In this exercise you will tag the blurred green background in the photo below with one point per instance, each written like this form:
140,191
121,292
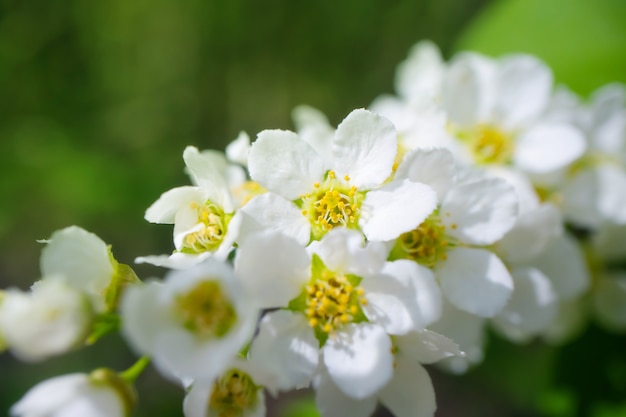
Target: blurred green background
99,99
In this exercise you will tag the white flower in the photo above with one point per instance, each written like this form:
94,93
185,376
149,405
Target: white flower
204,217
497,108
347,301
238,391
192,323
85,262
50,320
594,190
409,393
96,395
313,190
471,214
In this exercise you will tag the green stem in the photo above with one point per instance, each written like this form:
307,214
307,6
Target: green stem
131,374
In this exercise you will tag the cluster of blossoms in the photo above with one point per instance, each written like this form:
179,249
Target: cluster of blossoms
344,259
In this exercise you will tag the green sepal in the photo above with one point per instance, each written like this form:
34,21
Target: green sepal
103,324
123,275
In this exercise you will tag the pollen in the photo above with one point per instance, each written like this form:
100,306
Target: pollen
332,301
233,395
489,145
209,231
205,310
427,244
332,203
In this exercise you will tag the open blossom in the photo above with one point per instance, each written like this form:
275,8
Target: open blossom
204,215
344,301
99,394
238,391
341,183
192,323
409,393
51,319
473,212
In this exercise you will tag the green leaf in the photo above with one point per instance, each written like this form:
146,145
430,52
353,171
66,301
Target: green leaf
583,41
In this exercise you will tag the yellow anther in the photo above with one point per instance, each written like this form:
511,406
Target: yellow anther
331,174
354,309
363,301
453,225
304,212
316,185
360,291
327,327
346,177
313,322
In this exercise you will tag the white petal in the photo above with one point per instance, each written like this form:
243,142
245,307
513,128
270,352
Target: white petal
563,262
548,147
345,250
50,395
465,329
410,393
524,87
479,212
313,128
532,232
285,348
532,307
83,260
364,148
612,193
359,359
164,209
237,150
475,280
421,293
421,73
196,402
332,402
609,301
433,167
427,346
274,267
468,89
281,162
178,260
141,313
273,212
396,208
571,319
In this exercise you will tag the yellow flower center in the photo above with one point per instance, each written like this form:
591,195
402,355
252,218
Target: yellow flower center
206,310
214,226
233,394
244,192
426,245
489,145
332,203
333,301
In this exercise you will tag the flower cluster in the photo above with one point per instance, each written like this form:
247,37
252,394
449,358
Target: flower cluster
344,259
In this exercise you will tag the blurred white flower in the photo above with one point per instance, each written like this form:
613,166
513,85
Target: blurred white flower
51,319
191,324
99,394
238,391
84,261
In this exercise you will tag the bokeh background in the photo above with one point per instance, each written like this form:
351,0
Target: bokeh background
98,99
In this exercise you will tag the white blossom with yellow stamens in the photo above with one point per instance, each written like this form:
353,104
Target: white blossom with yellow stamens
192,323
343,303
312,192
474,212
204,215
